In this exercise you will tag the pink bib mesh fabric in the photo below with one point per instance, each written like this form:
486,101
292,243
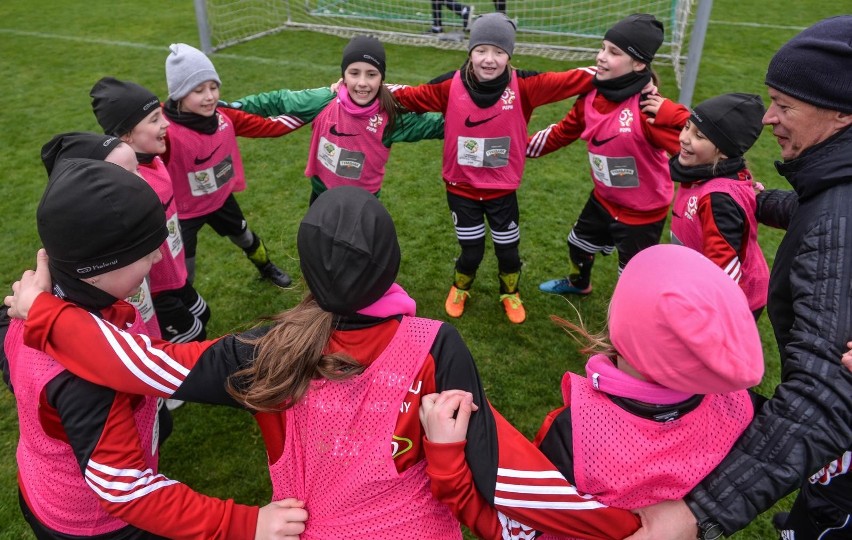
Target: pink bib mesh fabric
485,148
49,472
627,170
338,452
205,169
169,273
346,150
687,229
630,462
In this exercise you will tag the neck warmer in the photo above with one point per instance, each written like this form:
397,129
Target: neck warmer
726,168
196,122
394,302
485,94
145,159
358,111
607,378
79,292
621,88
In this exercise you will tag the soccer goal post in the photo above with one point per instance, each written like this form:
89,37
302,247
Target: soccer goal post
559,29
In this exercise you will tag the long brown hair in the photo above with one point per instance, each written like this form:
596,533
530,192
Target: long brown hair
288,357
391,106
590,343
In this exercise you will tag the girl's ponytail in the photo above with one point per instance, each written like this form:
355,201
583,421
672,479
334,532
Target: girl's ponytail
288,358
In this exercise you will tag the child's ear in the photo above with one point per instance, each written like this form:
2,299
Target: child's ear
639,66
126,138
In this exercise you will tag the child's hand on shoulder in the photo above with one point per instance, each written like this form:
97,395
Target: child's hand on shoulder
445,416
31,284
335,86
651,105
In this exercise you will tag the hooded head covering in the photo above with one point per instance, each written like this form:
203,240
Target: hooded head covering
364,49
120,105
493,29
732,122
639,35
77,145
683,323
348,250
95,217
814,66
186,68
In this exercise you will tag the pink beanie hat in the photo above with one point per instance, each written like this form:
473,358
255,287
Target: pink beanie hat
681,322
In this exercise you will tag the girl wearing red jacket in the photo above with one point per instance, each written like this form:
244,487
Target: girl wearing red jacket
487,105
714,208
204,161
632,190
87,455
335,385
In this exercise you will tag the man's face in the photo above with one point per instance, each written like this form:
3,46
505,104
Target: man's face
797,125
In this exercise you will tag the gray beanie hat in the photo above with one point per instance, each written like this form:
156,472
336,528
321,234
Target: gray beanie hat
186,68
814,66
493,29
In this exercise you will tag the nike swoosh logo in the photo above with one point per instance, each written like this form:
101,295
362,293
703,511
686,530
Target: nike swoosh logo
470,123
199,161
601,143
333,131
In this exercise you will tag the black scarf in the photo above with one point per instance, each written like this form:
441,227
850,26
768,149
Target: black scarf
79,292
485,94
196,122
621,88
726,168
145,159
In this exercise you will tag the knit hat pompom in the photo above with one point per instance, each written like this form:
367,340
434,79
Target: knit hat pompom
816,65
639,35
348,249
120,105
493,29
732,122
95,217
77,144
364,49
683,323
186,68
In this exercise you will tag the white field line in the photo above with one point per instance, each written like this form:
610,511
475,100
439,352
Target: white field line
272,61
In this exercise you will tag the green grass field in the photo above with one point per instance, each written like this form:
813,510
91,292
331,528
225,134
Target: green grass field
52,52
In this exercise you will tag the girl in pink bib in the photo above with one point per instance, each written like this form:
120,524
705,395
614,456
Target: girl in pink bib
487,105
714,208
664,396
631,193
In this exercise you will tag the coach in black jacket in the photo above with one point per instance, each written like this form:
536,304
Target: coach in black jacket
801,437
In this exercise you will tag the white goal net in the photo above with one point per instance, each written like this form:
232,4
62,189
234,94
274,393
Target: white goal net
560,29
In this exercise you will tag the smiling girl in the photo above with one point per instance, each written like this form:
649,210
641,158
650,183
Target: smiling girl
88,455
204,161
632,191
714,209
353,134
487,105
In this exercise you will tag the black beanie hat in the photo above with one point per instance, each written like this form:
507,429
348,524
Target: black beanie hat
120,105
816,65
95,217
732,122
639,35
364,49
77,144
348,249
